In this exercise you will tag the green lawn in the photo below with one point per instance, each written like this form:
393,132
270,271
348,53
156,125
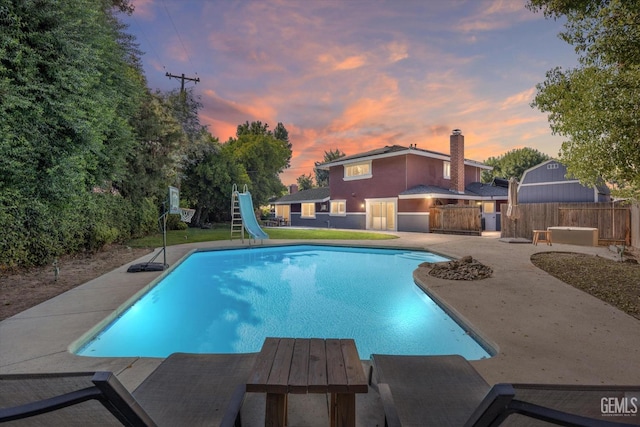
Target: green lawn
223,232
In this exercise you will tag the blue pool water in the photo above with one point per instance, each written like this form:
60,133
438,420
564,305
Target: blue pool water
229,301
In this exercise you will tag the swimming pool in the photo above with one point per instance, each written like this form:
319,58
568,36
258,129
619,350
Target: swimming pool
229,301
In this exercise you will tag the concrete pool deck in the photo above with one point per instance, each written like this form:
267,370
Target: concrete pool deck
543,330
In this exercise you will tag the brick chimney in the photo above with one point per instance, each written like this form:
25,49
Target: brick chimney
456,143
293,188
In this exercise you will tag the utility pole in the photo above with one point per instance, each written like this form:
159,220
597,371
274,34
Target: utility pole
182,79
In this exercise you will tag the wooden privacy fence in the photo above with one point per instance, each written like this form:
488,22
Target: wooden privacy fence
612,220
635,225
455,219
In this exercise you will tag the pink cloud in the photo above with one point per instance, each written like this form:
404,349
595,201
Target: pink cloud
521,98
496,14
144,9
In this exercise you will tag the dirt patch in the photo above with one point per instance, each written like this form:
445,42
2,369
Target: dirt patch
615,282
23,289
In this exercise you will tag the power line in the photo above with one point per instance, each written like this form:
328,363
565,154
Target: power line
144,35
178,34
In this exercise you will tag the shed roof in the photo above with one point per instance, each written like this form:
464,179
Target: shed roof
600,188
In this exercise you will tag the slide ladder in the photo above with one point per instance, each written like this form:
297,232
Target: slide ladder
247,218
237,227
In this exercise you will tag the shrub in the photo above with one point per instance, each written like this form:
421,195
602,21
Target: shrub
175,223
101,235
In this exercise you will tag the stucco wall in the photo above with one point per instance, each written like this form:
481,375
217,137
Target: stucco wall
413,222
324,220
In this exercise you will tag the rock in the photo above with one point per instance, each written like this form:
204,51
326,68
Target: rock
466,268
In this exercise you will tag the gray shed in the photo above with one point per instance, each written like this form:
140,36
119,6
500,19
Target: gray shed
548,183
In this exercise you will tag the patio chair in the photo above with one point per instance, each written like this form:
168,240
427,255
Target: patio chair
185,389
448,391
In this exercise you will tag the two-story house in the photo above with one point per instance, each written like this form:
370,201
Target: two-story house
393,188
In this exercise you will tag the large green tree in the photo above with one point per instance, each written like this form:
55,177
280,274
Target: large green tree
209,172
263,157
67,92
153,163
305,182
513,163
258,128
70,82
322,176
596,105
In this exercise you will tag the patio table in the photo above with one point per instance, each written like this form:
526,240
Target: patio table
309,365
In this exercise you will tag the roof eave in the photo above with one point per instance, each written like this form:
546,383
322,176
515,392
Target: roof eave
419,152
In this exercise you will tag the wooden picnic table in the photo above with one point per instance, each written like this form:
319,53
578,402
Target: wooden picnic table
277,221
309,365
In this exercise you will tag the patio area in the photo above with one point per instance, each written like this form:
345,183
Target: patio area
543,330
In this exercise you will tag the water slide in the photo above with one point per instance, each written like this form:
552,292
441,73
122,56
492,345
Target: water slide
249,217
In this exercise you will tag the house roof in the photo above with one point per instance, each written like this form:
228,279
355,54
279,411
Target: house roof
487,190
396,150
320,194
473,191
500,182
423,190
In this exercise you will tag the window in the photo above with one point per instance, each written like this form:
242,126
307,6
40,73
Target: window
552,166
489,207
338,208
357,171
446,170
308,210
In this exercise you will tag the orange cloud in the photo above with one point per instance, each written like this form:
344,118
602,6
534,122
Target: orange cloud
351,63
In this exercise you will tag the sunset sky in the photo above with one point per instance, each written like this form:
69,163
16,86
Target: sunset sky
356,75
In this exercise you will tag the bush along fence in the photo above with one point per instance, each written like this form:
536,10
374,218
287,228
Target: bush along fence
613,220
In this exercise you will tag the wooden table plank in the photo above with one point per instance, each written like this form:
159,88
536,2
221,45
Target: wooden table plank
298,374
317,378
259,375
278,381
336,374
356,377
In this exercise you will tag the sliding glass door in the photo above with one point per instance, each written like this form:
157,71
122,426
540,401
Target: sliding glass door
381,214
